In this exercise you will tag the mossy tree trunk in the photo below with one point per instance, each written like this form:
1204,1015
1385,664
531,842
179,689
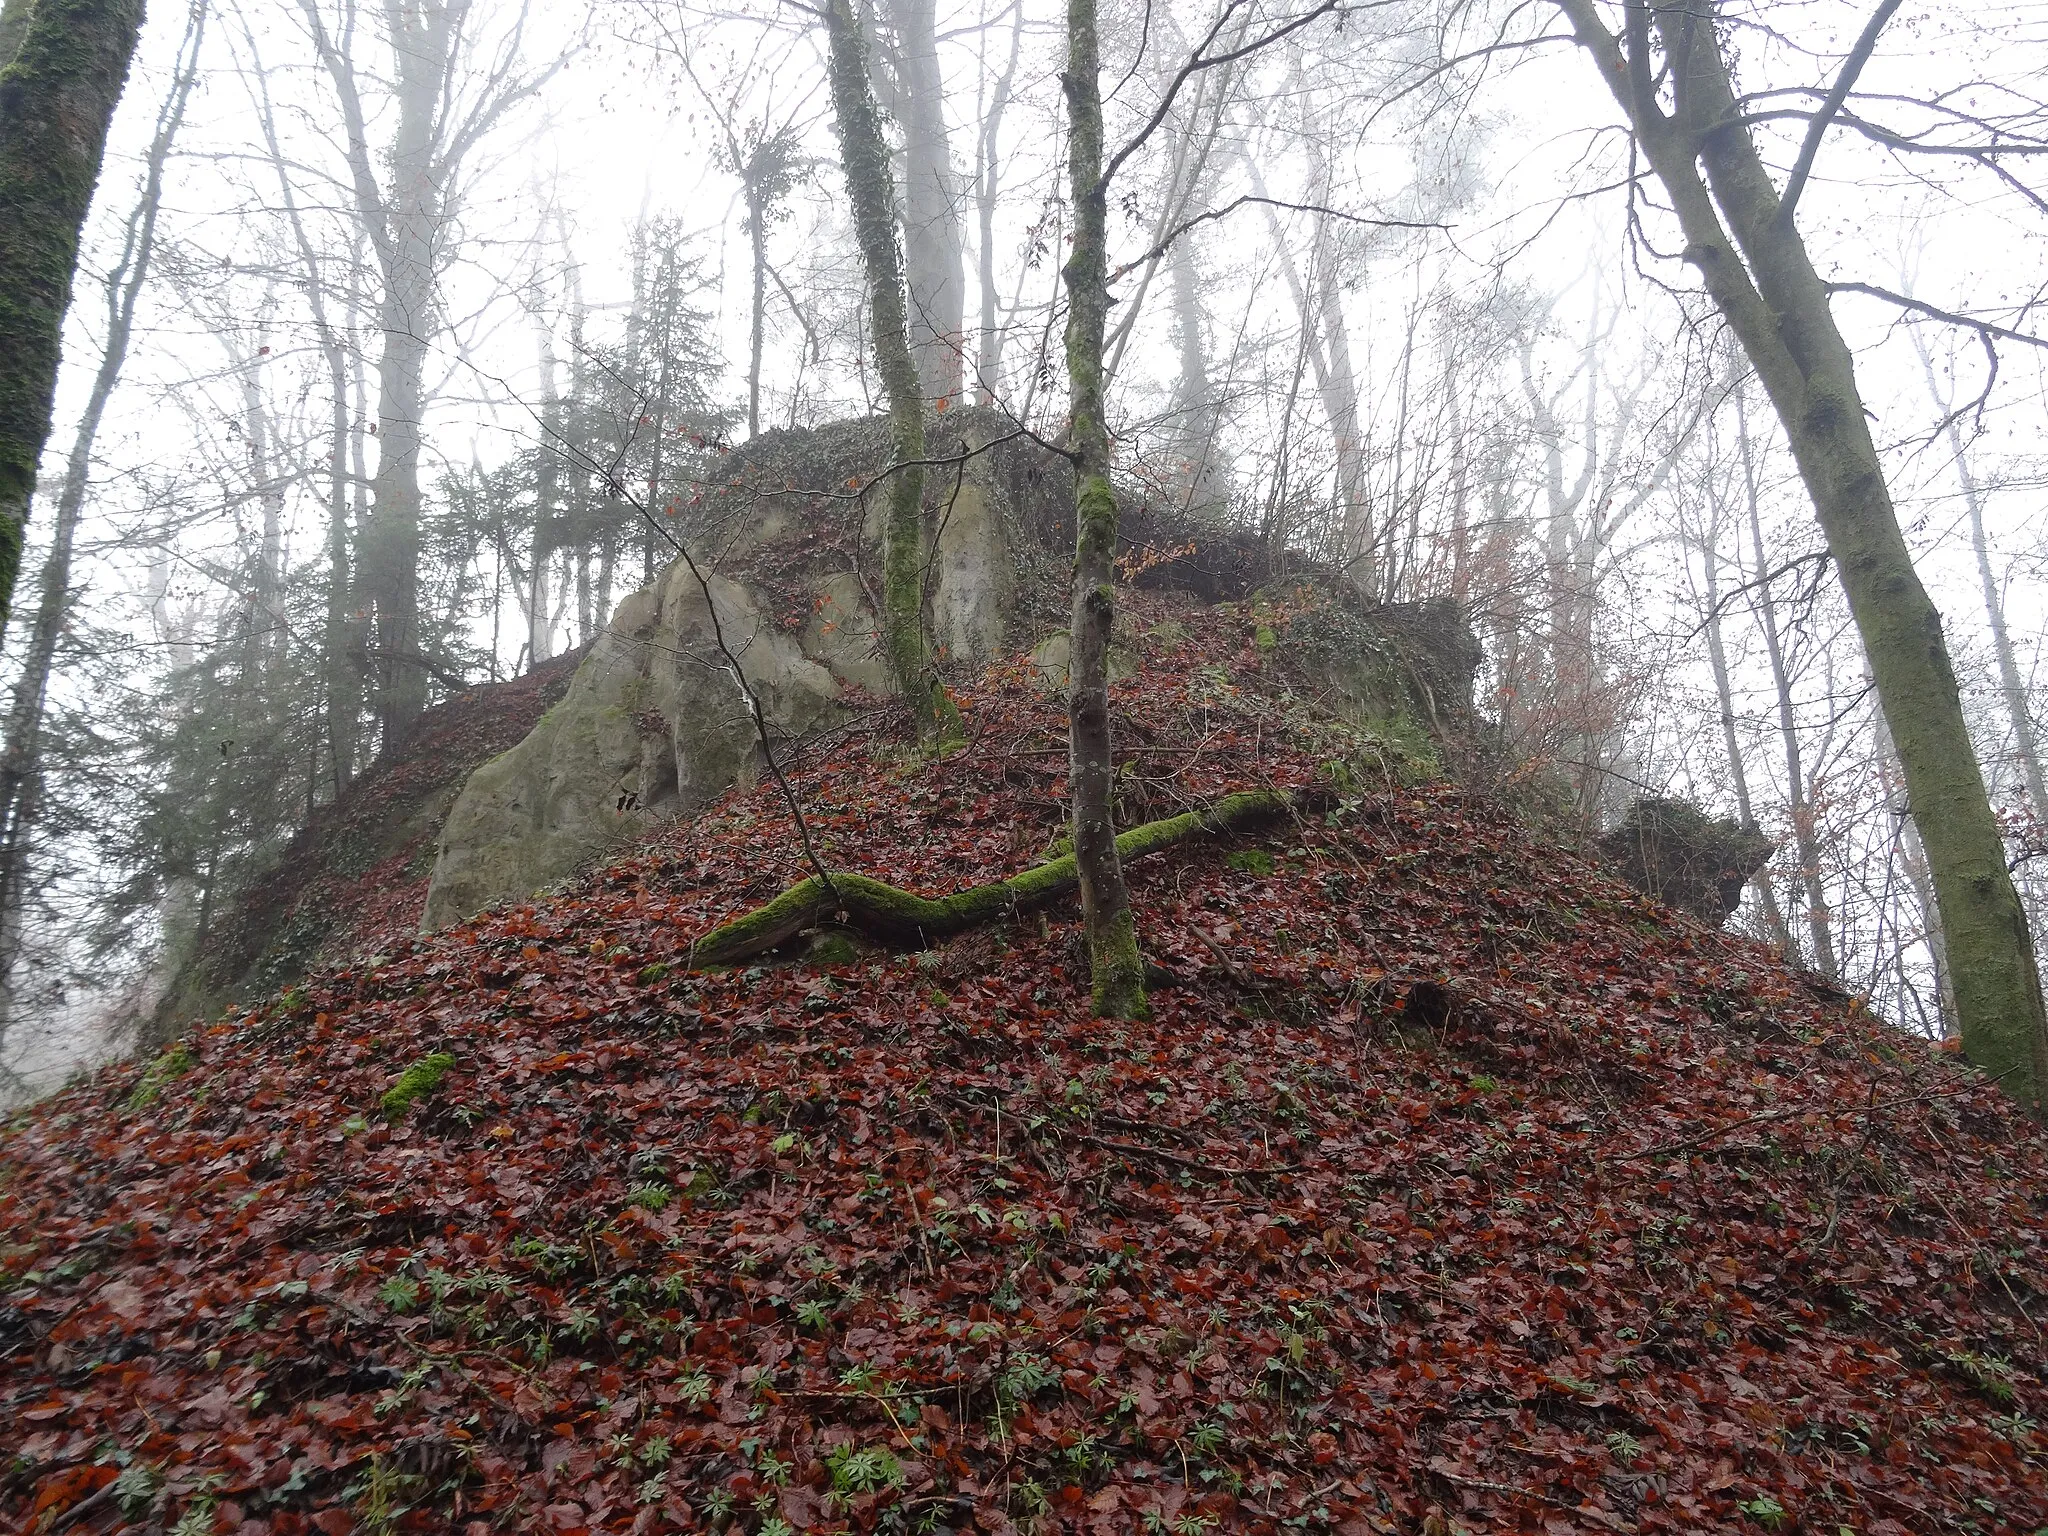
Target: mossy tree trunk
57,96
13,27
21,763
1740,233
1118,971
871,189
892,915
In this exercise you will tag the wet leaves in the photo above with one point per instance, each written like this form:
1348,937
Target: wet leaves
1452,1187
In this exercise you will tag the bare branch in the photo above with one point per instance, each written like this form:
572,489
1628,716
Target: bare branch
1816,130
1198,61
1921,307
1271,202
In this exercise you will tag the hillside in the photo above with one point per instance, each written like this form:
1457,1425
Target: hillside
1452,1186
358,868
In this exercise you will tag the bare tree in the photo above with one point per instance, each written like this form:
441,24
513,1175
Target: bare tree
988,164
448,98
341,639
2011,686
1669,71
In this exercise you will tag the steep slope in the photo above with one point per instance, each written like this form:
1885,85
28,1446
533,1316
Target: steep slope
358,869
1452,1186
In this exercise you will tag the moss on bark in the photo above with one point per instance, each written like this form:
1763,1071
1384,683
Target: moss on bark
1118,969
57,96
902,919
871,191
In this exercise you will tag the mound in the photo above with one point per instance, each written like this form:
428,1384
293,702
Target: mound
1451,1186
357,871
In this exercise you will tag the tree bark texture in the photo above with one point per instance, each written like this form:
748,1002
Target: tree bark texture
57,97
1757,269
21,762
870,187
1115,965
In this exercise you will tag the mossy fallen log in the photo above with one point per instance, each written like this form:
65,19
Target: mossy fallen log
902,919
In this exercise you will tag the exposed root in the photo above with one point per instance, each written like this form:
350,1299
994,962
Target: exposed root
902,919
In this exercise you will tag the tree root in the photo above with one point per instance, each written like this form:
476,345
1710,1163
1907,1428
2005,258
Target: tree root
904,920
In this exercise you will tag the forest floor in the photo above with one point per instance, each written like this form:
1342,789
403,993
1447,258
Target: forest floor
1452,1186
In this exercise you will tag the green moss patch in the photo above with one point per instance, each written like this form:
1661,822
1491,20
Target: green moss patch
173,1064
414,1084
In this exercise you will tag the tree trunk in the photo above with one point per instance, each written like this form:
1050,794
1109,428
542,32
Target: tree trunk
1724,693
1799,800
892,915
933,241
343,682
1914,857
864,153
21,762
988,362
268,621
1114,963
421,43
757,240
1203,483
1321,309
57,97
547,476
1763,281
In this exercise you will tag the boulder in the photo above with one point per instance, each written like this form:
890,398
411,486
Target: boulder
1674,851
654,723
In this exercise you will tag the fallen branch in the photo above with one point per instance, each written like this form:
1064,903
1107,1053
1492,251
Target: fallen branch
903,919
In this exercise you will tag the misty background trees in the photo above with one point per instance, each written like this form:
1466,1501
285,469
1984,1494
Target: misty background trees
394,323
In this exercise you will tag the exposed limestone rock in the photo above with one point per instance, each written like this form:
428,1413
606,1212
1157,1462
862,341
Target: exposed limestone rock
656,725
653,724
841,632
979,569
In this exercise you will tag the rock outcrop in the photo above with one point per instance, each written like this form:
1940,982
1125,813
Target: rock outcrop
1674,851
656,722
